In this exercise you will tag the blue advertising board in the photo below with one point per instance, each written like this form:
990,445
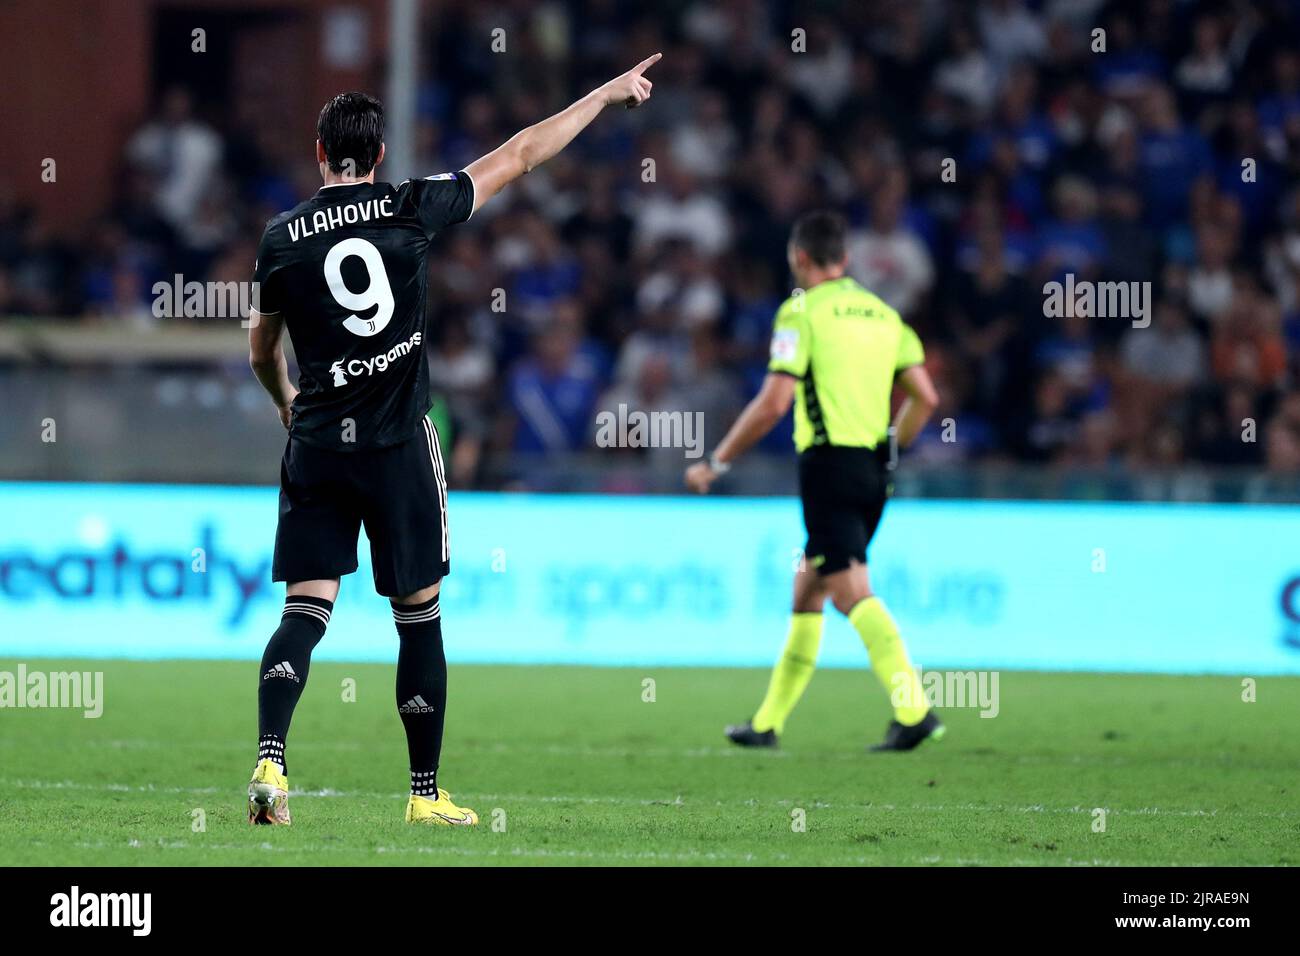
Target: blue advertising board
184,572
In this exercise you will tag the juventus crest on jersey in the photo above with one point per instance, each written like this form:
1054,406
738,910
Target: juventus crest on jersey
346,272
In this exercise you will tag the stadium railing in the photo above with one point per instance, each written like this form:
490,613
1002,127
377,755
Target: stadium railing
178,404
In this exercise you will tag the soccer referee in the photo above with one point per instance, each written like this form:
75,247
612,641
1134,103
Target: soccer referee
837,350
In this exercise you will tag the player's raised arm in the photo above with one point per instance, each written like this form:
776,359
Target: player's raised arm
533,146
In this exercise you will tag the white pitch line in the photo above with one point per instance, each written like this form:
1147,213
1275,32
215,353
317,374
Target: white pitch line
694,857
677,801
557,750
731,752
885,859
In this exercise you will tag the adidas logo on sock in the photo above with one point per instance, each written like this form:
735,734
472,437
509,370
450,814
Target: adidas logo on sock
282,669
415,705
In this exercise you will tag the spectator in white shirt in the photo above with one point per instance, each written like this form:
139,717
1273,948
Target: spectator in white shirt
889,258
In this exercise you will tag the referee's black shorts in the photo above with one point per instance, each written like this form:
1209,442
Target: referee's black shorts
399,493
843,491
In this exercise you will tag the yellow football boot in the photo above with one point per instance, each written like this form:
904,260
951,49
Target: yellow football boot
441,812
268,795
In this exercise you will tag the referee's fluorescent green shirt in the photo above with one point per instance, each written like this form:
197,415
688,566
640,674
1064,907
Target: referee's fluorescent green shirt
845,346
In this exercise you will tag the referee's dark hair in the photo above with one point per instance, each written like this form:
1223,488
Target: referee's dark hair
351,127
822,235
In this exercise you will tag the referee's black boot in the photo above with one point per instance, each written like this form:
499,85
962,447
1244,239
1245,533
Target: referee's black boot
746,736
901,737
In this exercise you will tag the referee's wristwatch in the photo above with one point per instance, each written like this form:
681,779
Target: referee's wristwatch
718,467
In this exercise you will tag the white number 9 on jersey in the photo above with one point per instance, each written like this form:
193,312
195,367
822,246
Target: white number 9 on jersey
377,295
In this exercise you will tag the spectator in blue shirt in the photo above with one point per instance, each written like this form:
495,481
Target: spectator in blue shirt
1171,156
1073,242
552,392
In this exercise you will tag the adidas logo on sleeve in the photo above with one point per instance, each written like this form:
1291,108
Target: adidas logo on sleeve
416,705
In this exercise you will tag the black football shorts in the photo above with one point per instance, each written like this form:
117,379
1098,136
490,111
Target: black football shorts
398,492
843,491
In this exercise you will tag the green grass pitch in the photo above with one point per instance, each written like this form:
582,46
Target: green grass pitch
574,767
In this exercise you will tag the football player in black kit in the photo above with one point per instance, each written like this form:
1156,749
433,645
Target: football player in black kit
344,272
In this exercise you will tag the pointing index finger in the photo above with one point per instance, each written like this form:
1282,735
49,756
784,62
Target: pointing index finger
647,63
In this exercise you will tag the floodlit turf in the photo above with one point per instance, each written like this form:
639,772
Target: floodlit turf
576,768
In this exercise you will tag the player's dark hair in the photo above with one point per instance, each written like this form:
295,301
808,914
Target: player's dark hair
822,235
351,127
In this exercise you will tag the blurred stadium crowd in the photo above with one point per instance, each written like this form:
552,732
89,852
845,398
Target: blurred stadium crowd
644,265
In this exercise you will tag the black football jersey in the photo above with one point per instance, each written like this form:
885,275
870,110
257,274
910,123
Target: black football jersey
346,272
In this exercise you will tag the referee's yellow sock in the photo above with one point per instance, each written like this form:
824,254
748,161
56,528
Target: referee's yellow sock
792,672
872,620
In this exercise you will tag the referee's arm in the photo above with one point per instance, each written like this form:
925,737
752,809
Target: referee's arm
921,401
759,417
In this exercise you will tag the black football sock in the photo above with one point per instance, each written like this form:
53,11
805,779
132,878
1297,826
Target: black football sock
284,671
421,689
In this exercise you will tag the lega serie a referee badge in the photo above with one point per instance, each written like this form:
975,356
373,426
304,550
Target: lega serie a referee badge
785,345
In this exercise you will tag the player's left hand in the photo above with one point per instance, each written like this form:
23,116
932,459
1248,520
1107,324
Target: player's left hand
699,477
